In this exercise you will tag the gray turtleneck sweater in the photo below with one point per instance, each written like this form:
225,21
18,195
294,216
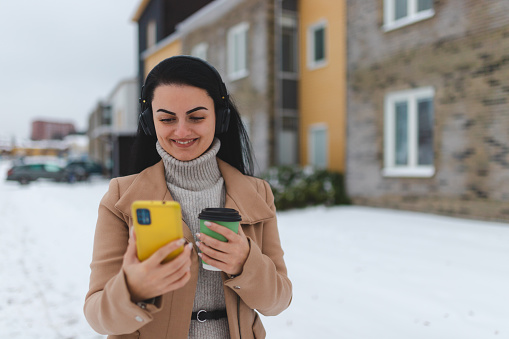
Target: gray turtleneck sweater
198,184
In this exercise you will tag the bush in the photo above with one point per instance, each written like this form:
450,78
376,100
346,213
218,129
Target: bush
296,187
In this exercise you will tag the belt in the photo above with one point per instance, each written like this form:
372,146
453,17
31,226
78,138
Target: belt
203,315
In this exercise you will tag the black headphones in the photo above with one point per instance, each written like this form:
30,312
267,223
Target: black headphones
146,120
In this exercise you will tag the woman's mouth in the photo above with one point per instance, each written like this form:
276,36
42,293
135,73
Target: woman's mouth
184,143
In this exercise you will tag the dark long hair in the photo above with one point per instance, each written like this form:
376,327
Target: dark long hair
235,145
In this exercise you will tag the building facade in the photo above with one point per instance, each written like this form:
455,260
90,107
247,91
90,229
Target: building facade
51,130
257,57
99,136
112,128
428,107
239,41
322,90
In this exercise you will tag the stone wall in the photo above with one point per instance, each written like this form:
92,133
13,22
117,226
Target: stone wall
463,52
254,93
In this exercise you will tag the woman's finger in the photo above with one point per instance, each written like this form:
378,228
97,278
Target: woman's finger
224,231
159,255
182,261
213,253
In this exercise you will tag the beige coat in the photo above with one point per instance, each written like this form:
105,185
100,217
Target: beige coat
263,285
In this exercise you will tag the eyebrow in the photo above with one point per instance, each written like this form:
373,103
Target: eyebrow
188,112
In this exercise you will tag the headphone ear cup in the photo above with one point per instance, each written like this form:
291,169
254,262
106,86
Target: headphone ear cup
146,122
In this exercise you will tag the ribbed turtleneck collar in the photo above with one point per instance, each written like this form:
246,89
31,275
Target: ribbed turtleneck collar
194,175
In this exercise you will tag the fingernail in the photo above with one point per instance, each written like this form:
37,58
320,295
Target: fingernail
181,242
198,244
199,254
207,223
190,245
198,235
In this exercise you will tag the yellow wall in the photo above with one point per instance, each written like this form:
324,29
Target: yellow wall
172,49
322,92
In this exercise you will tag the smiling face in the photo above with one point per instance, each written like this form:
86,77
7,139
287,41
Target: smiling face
185,120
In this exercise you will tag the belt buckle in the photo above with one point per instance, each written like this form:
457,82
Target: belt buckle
198,316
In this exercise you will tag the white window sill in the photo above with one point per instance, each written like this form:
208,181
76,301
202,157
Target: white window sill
409,172
317,65
238,75
408,20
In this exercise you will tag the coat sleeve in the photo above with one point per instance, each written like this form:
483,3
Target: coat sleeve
263,284
108,306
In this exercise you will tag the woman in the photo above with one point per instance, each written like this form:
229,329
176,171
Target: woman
191,147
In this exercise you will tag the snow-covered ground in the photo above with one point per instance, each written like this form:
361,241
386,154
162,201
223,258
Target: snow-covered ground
357,272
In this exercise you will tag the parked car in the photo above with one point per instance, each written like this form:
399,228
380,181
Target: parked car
24,174
84,169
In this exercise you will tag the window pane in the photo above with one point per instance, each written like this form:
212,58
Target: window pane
401,133
425,118
319,143
319,36
236,52
423,5
289,62
401,7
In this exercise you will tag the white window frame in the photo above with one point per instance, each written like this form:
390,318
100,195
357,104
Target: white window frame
412,169
200,50
311,62
390,23
238,54
311,145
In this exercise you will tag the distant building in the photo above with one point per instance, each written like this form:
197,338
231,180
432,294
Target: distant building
254,46
49,130
112,128
99,135
428,103
157,19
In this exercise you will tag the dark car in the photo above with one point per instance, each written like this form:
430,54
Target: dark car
24,174
83,169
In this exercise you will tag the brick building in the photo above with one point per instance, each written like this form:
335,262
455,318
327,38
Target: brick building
428,106
49,130
242,39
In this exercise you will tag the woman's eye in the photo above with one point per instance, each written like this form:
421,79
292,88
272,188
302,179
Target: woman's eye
197,118
167,120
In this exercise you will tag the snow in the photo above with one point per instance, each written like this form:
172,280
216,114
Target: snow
357,272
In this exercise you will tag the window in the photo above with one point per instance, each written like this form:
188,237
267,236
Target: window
408,148
200,50
399,13
151,33
237,51
316,46
318,149
289,60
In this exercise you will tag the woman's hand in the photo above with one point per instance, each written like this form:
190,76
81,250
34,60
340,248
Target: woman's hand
227,256
152,278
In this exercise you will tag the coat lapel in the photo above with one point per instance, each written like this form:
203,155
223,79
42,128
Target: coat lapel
242,193
150,184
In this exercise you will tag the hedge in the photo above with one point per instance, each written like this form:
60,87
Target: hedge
297,187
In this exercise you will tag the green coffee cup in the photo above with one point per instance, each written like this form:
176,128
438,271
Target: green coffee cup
226,217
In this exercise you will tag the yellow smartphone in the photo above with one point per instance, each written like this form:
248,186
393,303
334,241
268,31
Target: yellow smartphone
156,223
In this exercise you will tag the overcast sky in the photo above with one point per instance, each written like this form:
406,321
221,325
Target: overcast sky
59,57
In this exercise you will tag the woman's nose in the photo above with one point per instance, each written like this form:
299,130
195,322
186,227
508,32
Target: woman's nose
182,130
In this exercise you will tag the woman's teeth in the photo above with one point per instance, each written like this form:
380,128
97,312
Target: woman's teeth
183,142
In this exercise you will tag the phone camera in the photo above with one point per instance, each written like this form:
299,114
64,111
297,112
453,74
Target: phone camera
143,216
